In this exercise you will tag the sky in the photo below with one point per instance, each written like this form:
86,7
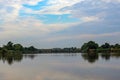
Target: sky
59,23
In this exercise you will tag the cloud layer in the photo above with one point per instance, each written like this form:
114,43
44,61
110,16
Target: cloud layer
26,21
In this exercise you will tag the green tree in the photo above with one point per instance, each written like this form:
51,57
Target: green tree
117,46
9,46
18,47
90,45
105,46
31,48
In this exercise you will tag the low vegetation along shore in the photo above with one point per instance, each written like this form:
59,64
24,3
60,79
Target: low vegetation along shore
89,47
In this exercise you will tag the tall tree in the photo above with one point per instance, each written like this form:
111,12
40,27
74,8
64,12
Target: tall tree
90,45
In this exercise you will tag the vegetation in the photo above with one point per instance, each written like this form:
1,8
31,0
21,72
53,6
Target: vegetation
60,50
13,52
91,47
16,48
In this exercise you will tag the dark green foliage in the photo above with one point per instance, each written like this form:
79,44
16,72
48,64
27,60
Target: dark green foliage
91,45
116,46
17,47
105,46
9,45
31,48
60,50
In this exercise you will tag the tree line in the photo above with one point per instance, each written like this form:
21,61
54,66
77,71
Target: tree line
90,46
16,48
10,47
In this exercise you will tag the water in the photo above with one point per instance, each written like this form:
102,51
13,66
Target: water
61,67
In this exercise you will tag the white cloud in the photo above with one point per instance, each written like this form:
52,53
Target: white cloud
30,27
55,6
89,19
9,9
30,2
13,26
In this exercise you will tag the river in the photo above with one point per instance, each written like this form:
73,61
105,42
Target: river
64,66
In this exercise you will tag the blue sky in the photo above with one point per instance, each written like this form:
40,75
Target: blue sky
59,23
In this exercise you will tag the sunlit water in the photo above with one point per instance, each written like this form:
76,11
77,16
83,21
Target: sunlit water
61,67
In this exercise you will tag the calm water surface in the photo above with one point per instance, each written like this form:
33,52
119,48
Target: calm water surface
61,67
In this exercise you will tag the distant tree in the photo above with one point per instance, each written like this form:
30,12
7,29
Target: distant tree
111,46
84,47
90,45
0,48
105,46
18,47
32,48
116,46
9,45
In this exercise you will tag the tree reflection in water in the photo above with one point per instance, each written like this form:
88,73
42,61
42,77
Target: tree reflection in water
105,56
11,57
30,56
90,57
93,57
14,57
